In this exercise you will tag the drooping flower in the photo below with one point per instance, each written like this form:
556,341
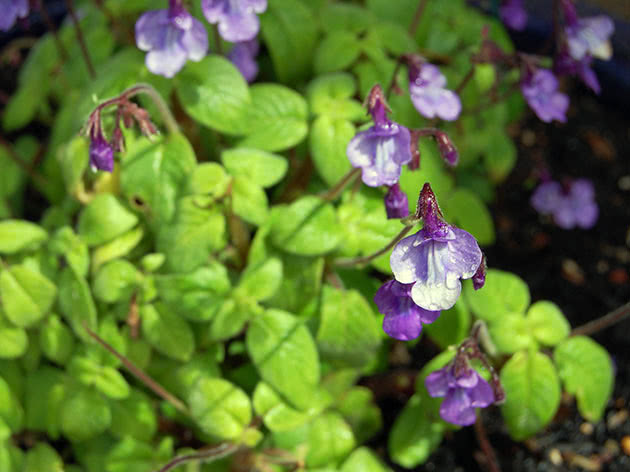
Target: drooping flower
564,64
463,390
237,19
383,149
101,152
436,258
513,14
171,37
243,56
11,11
590,37
396,203
571,206
403,318
428,93
540,90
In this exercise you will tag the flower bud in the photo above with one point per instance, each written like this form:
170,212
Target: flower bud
448,151
396,203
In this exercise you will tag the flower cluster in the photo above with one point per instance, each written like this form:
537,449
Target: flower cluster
11,11
173,36
571,206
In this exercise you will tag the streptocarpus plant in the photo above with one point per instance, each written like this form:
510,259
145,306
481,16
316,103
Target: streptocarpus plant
223,222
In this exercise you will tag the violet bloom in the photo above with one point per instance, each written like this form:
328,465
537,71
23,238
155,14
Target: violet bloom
243,56
101,152
540,90
436,258
513,14
429,95
383,149
237,19
463,390
569,207
396,203
403,318
171,37
590,37
564,64
11,11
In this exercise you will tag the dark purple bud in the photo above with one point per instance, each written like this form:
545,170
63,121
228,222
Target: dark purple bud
396,203
448,151
479,279
377,106
429,210
101,153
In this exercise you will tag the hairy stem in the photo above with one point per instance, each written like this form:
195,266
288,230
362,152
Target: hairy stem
141,375
604,322
363,260
335,191
80,38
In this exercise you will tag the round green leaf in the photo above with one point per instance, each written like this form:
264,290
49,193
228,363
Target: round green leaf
26,295
18,235
511,333
116,281
261,281
167,332
249,201
330,440
103,219
209,178
84,415
547,323
338,50
502,294
465,209
329,139
56,340
263,168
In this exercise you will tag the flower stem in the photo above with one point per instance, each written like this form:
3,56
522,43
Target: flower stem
335,191
363,260
80,38
604,322
210,455
417,17
484,442
148,381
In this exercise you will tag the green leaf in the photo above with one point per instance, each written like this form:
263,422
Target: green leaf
195,233
344,17
301,283
26,295
284,353
547,323
220,408
104,378
587,372
328,141
502,294
197,295
67,244
452,327
337,51
331,95
306,227
230,319
330,440
365,460
13,340
134,416
414,437
76,303
394,38
131,455
45,395
467,210
260,281
249,201
118,247
263,168
116,281
18,235
103,219
154,175
215,94
276,118
510,333
56,340
11,176
532,393
167,332
348,332
43,458
364,416
11,412
500,156
85,415
210,178
290,33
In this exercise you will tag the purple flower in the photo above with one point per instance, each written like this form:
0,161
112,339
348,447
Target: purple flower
431,99
101,152
589,37
540,89
447,149
435,258
564,64
464,390
243,56
570,207
513,14
383,149
396,203
236,18
11,11
171,37
403,318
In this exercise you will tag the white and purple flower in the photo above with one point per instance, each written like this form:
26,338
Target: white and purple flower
590,37
571,206
540,90
11,11
429,95
237,19
170,37
383,149
436,258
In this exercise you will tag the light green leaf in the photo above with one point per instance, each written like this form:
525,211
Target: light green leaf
43,458
67,244
466,210
587,372
56,340
360,411
219,407
547,323
13,340
26,295
167,332
45,395
344,17
11,412
260,281
116,281
338,50
331,95
499,156
76,303
118,247
330,440
328,141
249,201
210,178
18,235
510,333
365,460
85,415
103,219
131,455
134,416
306,227
348,332
284,353
394,39
263,168
231,317
215,94
502,294
532,393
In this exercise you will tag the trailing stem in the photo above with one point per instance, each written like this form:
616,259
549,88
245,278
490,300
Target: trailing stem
363,260
210,455
339,187
604,322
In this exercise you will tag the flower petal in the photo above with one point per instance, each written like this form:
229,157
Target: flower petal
437,383
150,30
404,326
457,409
195,41
464,254
481,395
